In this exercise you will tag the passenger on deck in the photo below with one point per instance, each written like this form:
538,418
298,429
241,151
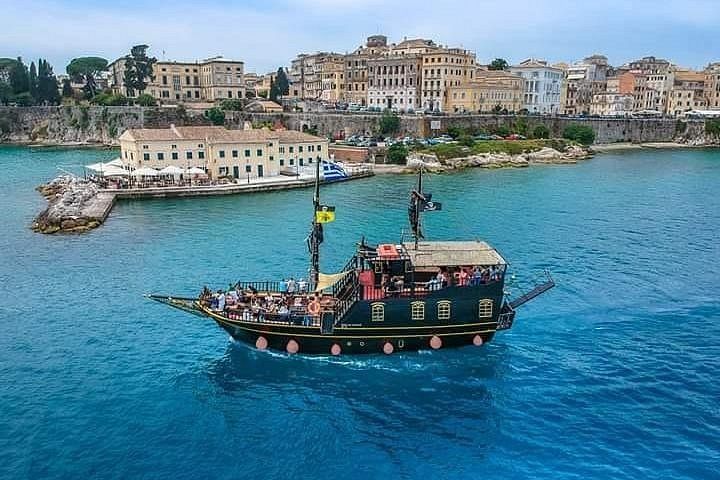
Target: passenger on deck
283,286
463,278
291,286
476,276
302,286
433,285
284,313
442,278
221,301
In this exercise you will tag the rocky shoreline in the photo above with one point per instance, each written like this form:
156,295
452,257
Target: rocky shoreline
545,156
74,205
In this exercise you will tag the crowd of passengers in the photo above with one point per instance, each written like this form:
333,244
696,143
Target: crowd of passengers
290,305
461,277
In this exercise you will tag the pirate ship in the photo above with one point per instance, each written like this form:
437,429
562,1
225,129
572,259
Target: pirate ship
412,295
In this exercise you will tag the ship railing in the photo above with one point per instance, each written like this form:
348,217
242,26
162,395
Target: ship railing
267,286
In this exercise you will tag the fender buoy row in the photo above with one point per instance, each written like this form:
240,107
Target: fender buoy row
293,347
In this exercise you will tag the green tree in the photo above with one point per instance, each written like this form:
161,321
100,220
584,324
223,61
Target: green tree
498,64
138,70
85,70
146,100
19,77
466,140
712,126
23,99
5,93
67,90
389,123
274,91
502,130
231,104
281,80
215,115
33,80
583,134
541,131
47,85
109,99
397,154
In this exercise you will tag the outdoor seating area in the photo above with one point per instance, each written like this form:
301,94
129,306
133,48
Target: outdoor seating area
115,174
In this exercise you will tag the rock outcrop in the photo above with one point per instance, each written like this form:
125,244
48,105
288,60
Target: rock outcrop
546,155
74,205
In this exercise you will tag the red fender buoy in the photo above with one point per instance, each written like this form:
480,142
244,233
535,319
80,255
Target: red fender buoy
292,347
388,348
477,340
335,349
435,342
261,343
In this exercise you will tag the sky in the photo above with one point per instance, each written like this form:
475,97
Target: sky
267,34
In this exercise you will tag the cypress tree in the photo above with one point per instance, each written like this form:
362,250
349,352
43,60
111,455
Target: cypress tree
33,81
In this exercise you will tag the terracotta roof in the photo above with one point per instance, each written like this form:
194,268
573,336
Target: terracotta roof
216,135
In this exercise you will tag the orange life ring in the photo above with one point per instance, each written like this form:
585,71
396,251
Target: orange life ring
313,308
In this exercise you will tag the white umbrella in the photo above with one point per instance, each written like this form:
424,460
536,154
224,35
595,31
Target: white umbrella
112,171
116,162
97,167
195,171
145,172
172,170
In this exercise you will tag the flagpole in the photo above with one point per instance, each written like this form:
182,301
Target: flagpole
419,210
315,245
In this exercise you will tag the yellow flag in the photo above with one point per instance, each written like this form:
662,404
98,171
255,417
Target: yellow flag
325,214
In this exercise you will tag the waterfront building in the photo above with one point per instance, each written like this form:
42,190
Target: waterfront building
712,86
611,104
542,84
306,74
658,81
687,92
444,68
495,91
208,81
239,154
394,82
332,83
583,80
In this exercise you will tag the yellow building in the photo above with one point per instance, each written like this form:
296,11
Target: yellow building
239,154
687,92
490,91
444,68
712,86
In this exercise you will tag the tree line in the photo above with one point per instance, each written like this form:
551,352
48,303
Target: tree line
28,85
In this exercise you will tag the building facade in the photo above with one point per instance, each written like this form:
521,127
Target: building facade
491,91
542,86
394,82
238,154
209,80
583,80
687,92
445,68
711,87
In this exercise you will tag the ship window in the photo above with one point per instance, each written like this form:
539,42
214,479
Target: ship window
417,309
377,312
485,308
378,267
443,310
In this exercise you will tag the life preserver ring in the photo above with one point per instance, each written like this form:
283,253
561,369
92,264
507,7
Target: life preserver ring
435,342
292,347
313,308
261,343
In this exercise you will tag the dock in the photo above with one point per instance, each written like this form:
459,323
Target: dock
265,185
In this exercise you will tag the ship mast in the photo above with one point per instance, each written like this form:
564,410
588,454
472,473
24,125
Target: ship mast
316,226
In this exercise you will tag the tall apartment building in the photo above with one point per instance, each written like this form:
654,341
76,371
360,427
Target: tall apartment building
583,80
687,92
543,84
332,82
712,86
309,71
209,80
356,69
658,81
445,68
394,82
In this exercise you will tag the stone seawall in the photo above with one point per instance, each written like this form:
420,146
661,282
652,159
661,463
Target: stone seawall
103,125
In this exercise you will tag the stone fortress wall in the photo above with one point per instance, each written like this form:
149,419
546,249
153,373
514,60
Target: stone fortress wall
103,125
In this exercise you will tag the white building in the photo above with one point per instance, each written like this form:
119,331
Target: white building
543,85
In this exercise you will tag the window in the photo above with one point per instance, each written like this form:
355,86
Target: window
201,155
290,149
248,168
223,171
160,156
234,153
282,162
292,161
222,153
272,158
259,152
146,156
417,310
281,150
443,310
319,148
188,155
300,149
174,155
377,312
247,153
173,147
485,308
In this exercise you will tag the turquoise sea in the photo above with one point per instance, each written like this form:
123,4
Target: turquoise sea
613,374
